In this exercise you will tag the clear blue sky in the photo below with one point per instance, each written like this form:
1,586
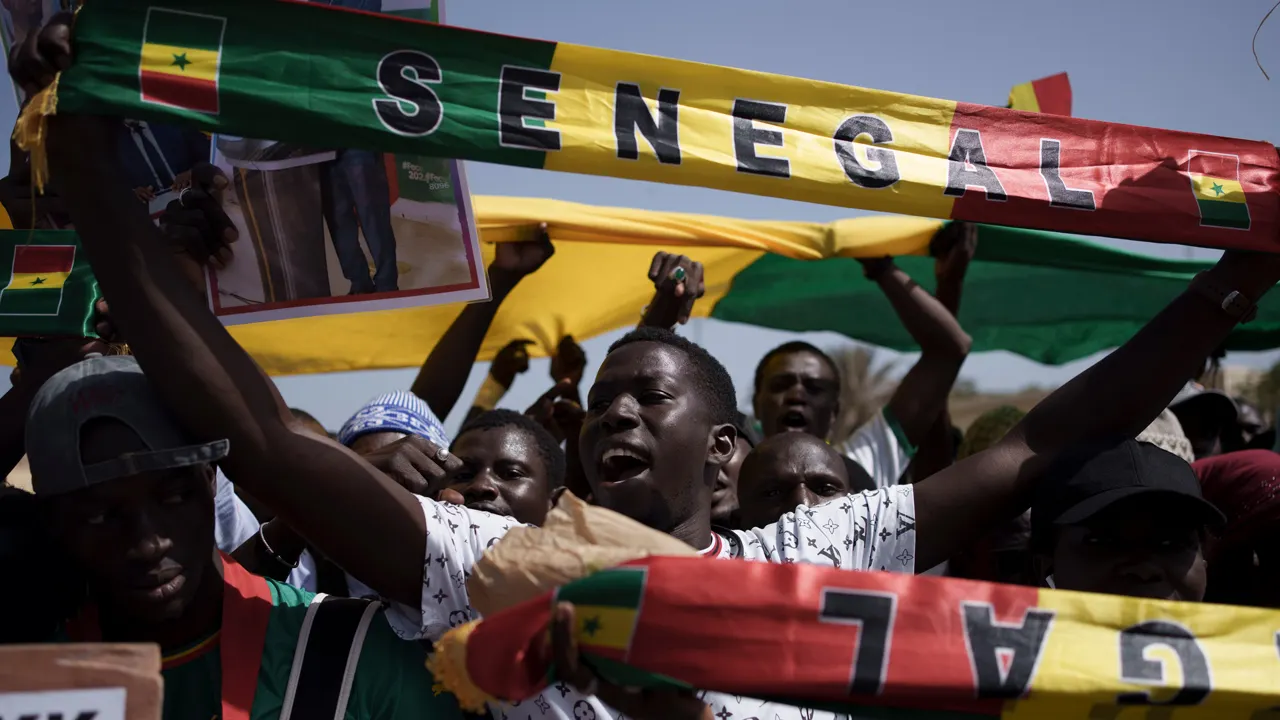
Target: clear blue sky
1177,64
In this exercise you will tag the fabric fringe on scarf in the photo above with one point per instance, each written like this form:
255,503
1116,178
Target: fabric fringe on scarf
32,131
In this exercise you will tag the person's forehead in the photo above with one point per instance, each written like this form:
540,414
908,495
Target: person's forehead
797,362
122,491
644,361
799,456
495,443
803,448
375,440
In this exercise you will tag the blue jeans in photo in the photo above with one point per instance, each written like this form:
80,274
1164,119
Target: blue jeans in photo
355,196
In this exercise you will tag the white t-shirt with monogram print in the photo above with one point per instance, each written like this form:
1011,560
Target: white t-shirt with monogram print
868,531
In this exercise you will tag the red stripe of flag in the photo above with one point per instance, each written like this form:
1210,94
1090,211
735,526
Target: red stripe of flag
1226,167
1139,188
36,259
180,91
1053,94
693,629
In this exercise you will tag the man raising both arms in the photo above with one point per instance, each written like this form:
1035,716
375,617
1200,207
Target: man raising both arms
797,386
659,425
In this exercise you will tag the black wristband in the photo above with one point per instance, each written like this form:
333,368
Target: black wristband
1232,302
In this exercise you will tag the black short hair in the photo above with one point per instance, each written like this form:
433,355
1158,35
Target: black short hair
710,377
786,348
548,449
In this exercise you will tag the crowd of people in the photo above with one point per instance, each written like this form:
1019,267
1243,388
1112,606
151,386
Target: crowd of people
168,477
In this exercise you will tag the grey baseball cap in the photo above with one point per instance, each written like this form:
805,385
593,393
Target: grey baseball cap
104,387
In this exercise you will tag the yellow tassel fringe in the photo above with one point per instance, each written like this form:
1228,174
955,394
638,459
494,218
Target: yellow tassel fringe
449,666
31,132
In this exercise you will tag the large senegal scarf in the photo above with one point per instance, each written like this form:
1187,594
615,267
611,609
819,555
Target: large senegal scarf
881,644
327,77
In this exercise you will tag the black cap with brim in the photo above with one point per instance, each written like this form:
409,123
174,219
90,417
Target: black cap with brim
1088,480
1095,504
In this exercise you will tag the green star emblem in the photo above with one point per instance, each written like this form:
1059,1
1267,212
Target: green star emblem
591,626
181,61
1217,189
38,281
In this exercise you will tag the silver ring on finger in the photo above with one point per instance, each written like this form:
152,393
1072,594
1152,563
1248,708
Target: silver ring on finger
182,196
677,274
442,454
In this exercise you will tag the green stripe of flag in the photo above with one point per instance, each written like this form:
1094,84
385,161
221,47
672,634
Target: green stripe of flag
265,96
30,301
620,587
1049,297
183,29
1224,214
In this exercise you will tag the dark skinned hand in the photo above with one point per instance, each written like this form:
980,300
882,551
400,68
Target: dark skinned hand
418,465
570,361
558,411
514,260
34,63
510,361
675,291
641,704
875,267
953,247
196,226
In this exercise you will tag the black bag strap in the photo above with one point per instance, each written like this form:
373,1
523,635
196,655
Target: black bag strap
326,656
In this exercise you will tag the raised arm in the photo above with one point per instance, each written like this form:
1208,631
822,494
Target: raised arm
954,250
922,393
444,373
1118,397
337,501
677,285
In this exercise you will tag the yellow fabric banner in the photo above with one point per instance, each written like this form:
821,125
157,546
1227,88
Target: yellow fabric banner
596,282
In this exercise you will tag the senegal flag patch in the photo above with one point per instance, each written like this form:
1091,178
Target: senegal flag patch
181,53
36,278
1215,180
607,605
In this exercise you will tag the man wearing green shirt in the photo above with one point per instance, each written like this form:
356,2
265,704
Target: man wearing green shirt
131,502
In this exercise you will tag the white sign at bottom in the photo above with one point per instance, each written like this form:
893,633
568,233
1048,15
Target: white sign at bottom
89,704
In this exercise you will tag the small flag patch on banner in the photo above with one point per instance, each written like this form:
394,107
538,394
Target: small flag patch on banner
36,278
181,52
607,606
1215,180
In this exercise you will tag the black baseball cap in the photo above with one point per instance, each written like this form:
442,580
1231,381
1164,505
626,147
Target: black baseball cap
1088,480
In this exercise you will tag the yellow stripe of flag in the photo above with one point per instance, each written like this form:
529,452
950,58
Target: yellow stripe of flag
585,107
37,281
603,626
181,61
1212,188
1023,97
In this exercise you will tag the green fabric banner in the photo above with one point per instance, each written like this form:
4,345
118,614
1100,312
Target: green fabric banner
46,285
1049,297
